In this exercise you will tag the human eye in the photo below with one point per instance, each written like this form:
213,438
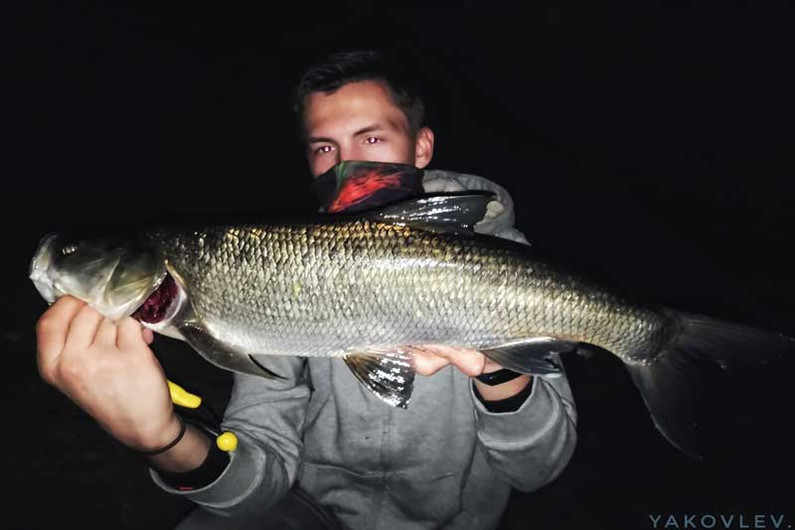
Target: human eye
372,140
323,149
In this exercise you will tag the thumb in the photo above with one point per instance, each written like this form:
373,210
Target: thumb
132,335
148,335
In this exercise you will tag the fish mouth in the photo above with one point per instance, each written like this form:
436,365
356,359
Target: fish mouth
161,305
114,278
39,265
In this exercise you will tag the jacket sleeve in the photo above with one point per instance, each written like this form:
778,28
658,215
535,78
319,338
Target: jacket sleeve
267,416
530,446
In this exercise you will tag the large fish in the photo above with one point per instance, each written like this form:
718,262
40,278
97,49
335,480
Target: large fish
366,288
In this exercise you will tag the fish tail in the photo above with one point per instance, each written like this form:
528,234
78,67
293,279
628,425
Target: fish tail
673,383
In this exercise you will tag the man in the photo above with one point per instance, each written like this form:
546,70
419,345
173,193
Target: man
449,461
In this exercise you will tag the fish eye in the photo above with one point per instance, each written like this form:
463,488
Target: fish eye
69,249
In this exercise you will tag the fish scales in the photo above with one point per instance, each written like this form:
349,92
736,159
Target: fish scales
324,289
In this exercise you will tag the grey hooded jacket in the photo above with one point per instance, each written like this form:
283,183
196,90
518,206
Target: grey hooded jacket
445,462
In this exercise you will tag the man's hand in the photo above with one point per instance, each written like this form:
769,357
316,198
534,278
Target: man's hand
109,371
430,358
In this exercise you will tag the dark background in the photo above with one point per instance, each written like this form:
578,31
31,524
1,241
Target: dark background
651,146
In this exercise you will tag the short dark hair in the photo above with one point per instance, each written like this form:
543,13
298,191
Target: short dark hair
341,68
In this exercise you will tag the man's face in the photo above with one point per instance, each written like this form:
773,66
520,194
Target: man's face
361,122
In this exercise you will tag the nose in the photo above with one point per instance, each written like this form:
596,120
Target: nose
341,154
344,153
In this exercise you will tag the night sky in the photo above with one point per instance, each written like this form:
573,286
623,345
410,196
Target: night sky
650,147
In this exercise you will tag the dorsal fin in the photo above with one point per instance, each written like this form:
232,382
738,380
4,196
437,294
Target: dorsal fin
442,212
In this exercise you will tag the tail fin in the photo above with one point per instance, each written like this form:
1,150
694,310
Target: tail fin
731,345
673,384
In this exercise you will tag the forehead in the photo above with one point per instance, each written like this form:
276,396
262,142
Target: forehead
351,106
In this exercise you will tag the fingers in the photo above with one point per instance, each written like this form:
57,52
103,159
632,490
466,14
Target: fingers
106,334
490,366
149,335
83,328
52,330
434,357
427,363
470,362
71,325
129,335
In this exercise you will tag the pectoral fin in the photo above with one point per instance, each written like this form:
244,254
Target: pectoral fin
536,356
387,374
221,354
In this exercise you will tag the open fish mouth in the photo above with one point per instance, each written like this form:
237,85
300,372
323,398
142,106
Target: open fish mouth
161,305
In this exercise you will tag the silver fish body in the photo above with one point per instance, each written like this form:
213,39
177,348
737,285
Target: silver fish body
368,288
334,289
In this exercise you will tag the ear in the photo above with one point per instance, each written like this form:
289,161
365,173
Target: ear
423,148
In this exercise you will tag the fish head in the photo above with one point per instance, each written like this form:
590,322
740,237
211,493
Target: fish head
113,275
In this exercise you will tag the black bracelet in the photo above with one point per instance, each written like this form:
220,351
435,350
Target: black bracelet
172,444
498,377
208,472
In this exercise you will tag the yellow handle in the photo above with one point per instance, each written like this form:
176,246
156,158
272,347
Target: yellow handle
226,441
182,397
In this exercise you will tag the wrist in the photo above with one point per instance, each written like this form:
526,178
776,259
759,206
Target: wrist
208,472
166,437
504,390
507,405
186,455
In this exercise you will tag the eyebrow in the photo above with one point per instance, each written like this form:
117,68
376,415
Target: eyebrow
370,128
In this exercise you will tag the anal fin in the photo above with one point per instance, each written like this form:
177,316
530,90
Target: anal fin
536,356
